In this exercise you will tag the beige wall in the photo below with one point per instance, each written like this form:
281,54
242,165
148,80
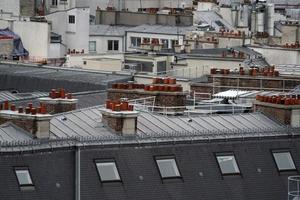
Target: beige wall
194,68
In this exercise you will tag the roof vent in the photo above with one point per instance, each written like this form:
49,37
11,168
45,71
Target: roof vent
120,117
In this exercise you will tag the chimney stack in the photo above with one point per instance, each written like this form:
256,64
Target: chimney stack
120,117
284,109
33,120
59,101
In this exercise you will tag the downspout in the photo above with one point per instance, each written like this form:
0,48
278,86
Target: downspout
77,173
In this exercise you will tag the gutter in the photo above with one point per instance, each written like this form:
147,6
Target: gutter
77,173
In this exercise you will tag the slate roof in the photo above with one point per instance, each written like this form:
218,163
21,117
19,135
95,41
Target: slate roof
88,123
85,99
12,133
32,78
162,29
213,19
7,95
108,30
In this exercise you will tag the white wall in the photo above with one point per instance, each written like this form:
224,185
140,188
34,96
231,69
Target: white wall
279,56
12,6
149,35
102,43
35,37
102,62
74,36
56,50
59,22
60,5
78,33
132,5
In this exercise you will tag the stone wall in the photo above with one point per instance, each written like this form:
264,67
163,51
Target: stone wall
27,7
6,46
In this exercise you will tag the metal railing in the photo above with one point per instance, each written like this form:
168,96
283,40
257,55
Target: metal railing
186,72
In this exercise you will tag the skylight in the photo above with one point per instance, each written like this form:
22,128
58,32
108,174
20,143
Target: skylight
24,178
228,164
284,160
167,167
108,171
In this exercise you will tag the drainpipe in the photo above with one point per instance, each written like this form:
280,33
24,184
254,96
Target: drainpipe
77,173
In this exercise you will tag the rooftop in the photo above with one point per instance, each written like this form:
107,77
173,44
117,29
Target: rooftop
162,29
213,19
108,30
41,78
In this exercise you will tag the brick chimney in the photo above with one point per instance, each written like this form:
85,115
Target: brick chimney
284,109
120,117
33,120
59,101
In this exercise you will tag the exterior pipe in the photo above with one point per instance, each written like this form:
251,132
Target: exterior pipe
77,173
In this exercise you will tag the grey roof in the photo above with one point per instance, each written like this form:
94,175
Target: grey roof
7,95
12,133
213,19
85,99
108,30
88,123
161,29
33,78
54,171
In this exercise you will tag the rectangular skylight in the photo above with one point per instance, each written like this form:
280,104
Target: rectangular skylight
284,160
108,171
23,176
228,164
167,167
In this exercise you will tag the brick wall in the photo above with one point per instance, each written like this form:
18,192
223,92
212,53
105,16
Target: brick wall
280,114
245,83
162,99
26,124
60,107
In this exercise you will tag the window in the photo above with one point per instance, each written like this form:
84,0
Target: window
71,19
24,178
108,171
165,43
113,45
167,168
54,2
92,46
135,41
284,160
227,164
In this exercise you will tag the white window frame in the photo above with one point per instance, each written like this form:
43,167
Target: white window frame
95,47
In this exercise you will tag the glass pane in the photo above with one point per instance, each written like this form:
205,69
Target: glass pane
228,164
168,168
92,45
110,44
24,177
284,161
116,45
108,171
